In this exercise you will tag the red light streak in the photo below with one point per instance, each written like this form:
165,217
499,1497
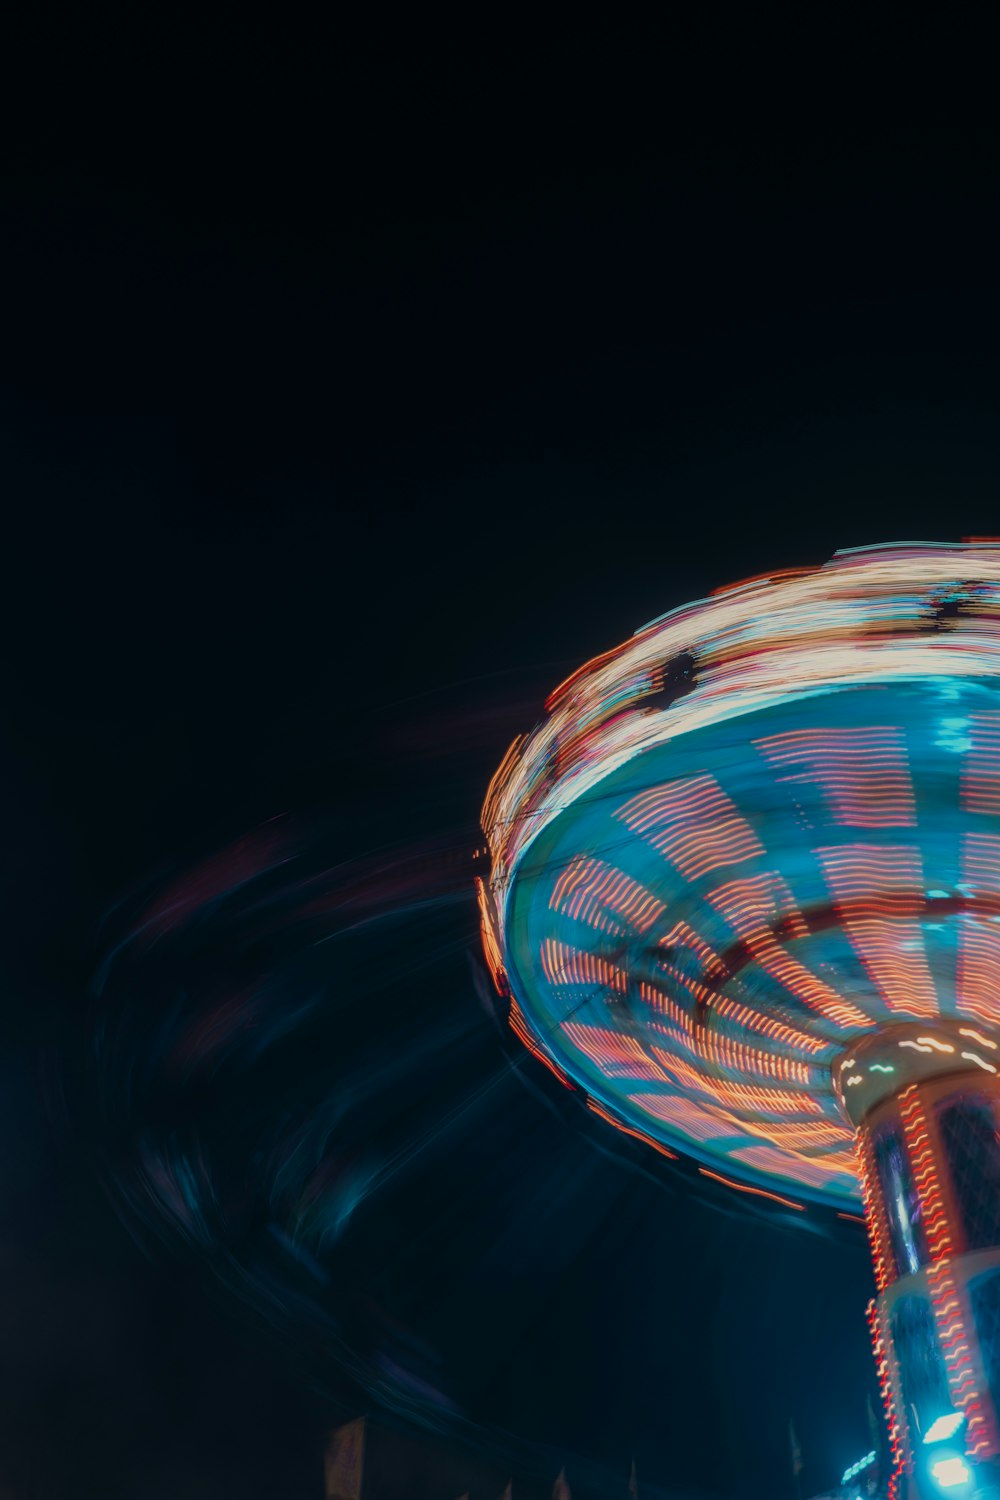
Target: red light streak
678,1023
801,1137
948,1313
526,1037
699,1122
617,1056
638,1135
744,1187
564,966
886,1384
754,1020
752,906
608,899
863,773
886,883
491,817
491,948
724,1052
772,577
875,1219
979,950
944,1294
981,765
775,1101
810,1171
925,1173
693,824
682,935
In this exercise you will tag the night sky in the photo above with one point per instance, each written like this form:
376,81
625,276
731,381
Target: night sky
350,398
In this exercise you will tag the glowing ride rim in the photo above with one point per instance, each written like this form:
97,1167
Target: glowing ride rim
775,650
824,769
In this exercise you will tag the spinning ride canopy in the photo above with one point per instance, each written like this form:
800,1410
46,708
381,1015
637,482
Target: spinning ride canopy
766,827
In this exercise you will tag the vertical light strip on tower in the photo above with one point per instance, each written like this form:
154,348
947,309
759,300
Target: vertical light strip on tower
949,1314
878,1228
890,1395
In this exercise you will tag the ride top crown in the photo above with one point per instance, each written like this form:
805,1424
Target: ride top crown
745,894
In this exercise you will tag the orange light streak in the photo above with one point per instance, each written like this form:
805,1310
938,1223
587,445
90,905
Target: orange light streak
491,948
889,1405
764,1025
744,1187
526,1037
616,1055
565,966
699,1122
605,898
491,817
810,1171
948,1312
979,949
981,764
724,1052
693,824
863,773
752,906
887,883
639,1135
875,1217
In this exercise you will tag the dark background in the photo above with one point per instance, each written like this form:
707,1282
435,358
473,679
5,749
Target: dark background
349,395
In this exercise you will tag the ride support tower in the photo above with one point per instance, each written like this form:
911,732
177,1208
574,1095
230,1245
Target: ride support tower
926,1109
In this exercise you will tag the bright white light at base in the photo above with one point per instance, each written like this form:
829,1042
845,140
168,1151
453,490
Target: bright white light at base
949,1472
943,1427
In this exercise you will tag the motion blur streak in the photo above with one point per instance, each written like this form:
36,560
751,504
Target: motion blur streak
303,1085
250,1110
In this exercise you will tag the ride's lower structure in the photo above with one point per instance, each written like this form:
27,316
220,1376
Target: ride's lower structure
745,897
927,1127
927,1124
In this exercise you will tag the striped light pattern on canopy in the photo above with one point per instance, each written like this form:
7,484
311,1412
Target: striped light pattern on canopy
767,824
